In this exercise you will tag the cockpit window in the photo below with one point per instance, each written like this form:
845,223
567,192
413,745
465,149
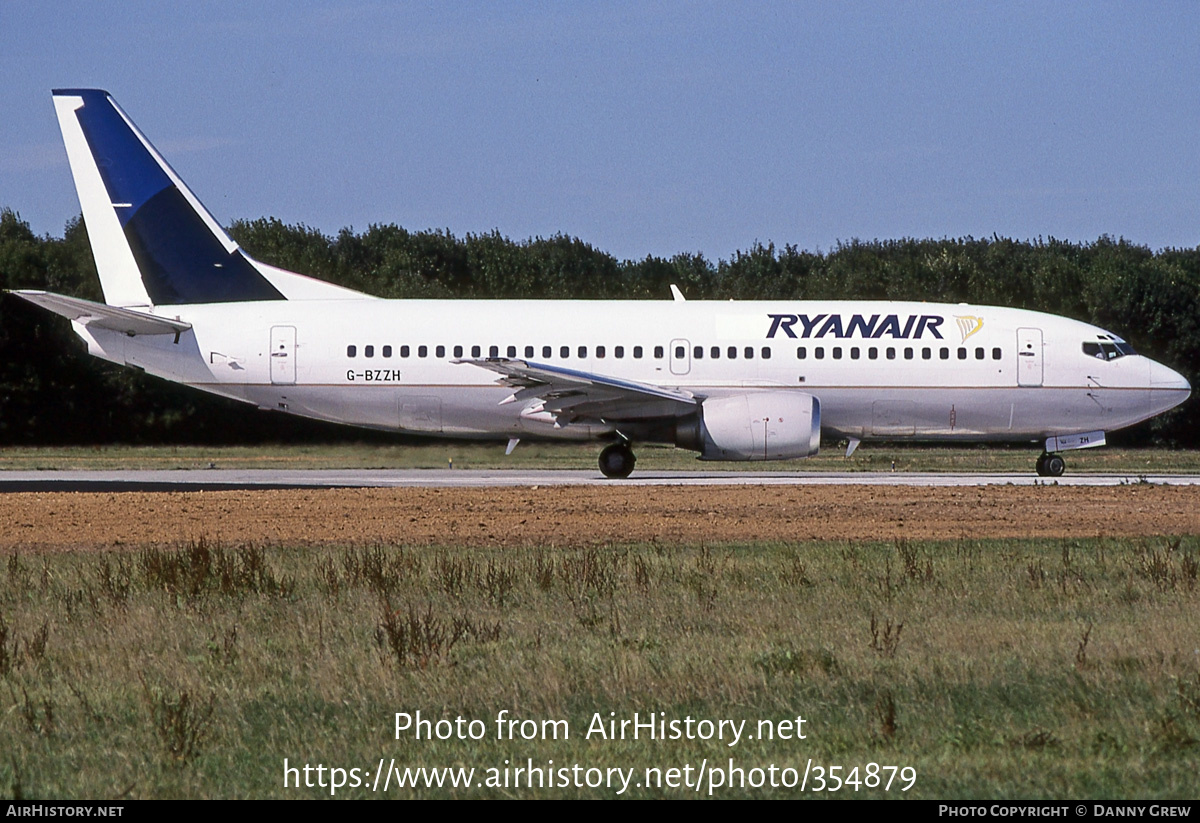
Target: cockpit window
1107,350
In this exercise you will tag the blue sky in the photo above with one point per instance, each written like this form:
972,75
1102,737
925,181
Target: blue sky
642,128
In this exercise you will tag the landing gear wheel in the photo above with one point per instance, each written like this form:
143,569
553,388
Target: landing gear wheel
1051,465
617,460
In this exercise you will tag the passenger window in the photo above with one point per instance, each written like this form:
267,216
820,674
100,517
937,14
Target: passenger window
512,351
547,352
715,353
908,353
493,351
749,352
872,353
658,353
997,354
368,351
854,352
387,351
618,352
422,351
944,353
564,352
979,354
962,354
583,352
891,353
819,352
476,351
404,351
529,351
732,353
679,352
599,352
698,352
637,352
351,351
926,353
766,352
801,352
458,351
440,351
837,352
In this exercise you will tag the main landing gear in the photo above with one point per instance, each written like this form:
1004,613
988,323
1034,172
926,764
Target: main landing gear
1051,465
617,460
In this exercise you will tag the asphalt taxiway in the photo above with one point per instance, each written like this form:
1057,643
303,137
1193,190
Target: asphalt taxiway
229,479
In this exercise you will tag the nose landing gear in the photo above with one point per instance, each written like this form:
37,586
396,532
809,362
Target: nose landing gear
617,460
1051,465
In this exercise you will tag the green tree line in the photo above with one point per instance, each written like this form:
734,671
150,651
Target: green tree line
51,392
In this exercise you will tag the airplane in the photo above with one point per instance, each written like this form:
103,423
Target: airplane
736,380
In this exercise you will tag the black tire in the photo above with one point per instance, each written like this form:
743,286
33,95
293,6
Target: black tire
617,461
1055,465
1041,465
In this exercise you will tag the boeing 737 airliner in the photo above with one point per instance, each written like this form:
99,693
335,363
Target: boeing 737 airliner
760,380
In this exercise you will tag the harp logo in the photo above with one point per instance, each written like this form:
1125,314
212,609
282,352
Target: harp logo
968,325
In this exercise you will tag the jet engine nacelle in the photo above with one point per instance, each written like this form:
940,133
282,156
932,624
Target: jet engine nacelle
766,425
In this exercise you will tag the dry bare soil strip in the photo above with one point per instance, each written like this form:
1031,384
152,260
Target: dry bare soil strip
573,516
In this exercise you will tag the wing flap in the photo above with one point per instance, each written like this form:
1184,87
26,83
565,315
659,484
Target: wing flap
98,315
574,395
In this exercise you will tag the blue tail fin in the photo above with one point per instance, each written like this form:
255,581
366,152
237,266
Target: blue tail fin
153,241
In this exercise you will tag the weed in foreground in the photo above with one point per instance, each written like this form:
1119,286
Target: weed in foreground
885,713
1081,660
7,657
204,567
419,640
38,714
16,651
885,636
181,719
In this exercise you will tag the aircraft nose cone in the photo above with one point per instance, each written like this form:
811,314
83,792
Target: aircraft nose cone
1168,388
1165,378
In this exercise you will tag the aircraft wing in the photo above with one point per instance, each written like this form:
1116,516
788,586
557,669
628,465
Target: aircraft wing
574,396
98,315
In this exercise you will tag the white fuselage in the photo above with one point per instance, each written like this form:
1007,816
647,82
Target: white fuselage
731,380
881,370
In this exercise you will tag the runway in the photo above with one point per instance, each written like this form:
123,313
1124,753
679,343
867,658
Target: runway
260,479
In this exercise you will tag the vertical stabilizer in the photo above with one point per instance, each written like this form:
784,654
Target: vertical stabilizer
153,241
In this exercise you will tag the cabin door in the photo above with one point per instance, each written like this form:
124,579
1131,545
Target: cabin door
283,355
1029,357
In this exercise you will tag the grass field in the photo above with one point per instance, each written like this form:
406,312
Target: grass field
1004,668
470,455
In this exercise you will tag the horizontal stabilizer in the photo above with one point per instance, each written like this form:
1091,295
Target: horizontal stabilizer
100,316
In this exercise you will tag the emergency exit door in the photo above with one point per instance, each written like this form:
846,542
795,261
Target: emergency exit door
680,356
